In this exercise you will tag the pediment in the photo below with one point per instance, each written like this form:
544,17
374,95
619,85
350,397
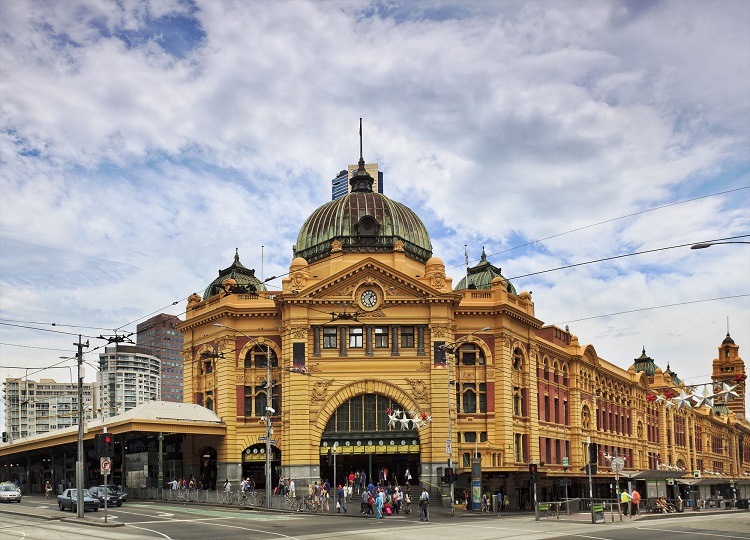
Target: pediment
393,284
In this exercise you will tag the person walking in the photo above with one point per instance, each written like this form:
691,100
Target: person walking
47,489
424,505
365,502
341,503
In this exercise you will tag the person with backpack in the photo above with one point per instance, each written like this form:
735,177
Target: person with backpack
424,505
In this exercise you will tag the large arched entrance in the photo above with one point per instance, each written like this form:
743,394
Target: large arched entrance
254,465
368,440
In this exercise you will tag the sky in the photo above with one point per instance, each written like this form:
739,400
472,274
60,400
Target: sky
143,141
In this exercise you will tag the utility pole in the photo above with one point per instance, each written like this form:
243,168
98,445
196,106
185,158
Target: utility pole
80,464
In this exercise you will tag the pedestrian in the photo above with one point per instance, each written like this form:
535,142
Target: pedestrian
379,503
47,489
499,500
424,505
292,493
506,503
341,502
227,486
636,497
624,501
364,502
407,476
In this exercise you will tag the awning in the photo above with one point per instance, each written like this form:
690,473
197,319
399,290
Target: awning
703,481
652,475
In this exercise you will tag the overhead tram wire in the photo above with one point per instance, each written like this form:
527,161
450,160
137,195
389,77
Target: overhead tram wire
621,257
608,221
688,302
57,324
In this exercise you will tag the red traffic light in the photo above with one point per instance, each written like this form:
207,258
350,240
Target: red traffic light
107,439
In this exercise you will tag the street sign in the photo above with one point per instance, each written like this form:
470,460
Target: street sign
618,464
262,438
562,482
566,462
105,464
274,442
448,446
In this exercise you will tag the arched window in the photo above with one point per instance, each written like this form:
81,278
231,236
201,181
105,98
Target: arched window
365,413
258,357
469,398
517,358
470,354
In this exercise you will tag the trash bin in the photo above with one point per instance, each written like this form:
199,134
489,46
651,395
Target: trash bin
494,504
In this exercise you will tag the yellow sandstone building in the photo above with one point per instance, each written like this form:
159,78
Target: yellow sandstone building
375,356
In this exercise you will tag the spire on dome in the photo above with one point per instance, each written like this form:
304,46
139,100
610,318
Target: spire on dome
361,180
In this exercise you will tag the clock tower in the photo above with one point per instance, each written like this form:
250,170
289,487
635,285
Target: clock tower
730,368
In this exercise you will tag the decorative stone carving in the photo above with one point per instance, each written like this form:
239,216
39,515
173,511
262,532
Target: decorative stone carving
193,300
398,245
320,390
314,368
199,385
423,366
336,245
504,337
375,313
418,389
240,377
298,332
439,330
490,374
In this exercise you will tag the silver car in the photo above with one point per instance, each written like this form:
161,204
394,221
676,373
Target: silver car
9,493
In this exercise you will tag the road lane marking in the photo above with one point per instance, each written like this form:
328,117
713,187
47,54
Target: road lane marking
153,531
723,535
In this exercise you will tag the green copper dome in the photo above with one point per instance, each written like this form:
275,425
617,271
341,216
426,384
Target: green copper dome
363,222
244,280
644,364
481,276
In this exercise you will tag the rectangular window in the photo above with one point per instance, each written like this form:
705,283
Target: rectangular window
482,397
546,409
381,337
557,410
248,401
469,398
260,400
355,417
407,337
329,338
482,436
470,436
355,337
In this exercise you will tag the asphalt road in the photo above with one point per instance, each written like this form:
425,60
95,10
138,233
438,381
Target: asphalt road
152,520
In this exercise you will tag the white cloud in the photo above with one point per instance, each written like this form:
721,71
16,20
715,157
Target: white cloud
142,142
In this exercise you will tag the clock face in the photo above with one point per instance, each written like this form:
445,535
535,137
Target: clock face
369,299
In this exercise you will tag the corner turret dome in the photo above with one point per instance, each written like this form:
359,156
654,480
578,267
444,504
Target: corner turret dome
234,279
645,364
363,221
481,276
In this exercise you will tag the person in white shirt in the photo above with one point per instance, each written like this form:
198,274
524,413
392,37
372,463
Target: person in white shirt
227,486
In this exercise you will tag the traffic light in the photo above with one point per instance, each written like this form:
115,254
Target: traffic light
533,471
330,458
104,444
593,453
448,476
5,436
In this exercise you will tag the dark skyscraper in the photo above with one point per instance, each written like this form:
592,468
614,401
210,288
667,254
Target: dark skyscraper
159,336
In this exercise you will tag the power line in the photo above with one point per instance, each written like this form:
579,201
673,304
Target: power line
33,347
624,255
610,221
650,308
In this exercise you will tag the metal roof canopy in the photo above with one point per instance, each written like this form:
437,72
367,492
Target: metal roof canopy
704,481
652,475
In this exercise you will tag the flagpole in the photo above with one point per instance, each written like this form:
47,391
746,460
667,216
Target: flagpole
466,258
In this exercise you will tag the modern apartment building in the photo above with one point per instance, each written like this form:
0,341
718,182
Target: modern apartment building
159,337
39,407
128,376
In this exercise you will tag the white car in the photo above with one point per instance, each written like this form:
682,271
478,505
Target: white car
9,493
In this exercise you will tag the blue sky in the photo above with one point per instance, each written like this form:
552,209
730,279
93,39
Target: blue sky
141,142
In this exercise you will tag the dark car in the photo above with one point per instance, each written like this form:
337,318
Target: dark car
113,499
69,500
120,491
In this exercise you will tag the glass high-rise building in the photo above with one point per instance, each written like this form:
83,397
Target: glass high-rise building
159,337
340,185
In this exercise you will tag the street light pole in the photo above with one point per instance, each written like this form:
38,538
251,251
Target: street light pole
450,348
80,463
269,410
